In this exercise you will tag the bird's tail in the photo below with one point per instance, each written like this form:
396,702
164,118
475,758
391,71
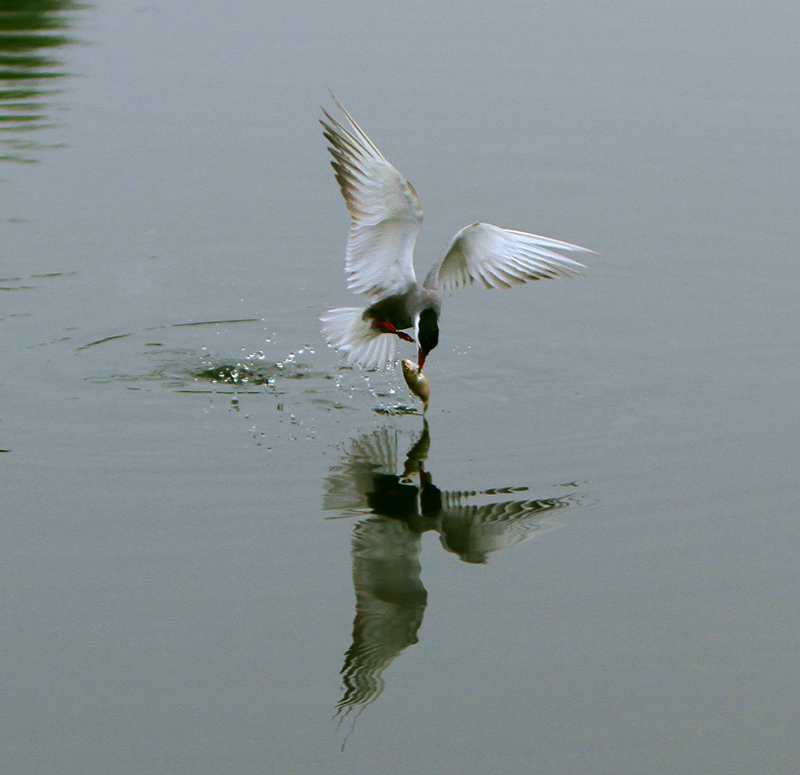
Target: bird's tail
357,339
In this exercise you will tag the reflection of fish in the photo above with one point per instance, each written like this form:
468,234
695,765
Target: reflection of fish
417,382
385,218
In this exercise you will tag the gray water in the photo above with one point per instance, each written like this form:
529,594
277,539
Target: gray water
214,556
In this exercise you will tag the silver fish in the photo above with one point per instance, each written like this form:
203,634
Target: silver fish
417,382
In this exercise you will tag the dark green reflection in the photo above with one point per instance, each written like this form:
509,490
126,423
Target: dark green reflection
31,32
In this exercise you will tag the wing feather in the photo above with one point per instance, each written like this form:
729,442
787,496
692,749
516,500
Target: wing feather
473,531
385,211
357,339
500,258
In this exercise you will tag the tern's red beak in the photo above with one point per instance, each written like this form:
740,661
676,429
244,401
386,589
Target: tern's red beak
420,358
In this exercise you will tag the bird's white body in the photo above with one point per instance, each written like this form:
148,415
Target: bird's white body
386,216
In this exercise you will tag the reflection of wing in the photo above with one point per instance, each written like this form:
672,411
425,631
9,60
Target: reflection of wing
349,482
472,532
390,603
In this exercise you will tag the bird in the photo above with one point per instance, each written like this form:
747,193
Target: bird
385,218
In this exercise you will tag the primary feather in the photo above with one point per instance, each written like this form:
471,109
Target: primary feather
385,212
500,258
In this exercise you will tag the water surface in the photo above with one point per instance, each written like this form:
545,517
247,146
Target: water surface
226,551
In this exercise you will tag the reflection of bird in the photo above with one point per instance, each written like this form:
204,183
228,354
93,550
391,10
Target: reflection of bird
390,596
395,511
385,218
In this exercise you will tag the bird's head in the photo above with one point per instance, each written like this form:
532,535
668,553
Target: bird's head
427,333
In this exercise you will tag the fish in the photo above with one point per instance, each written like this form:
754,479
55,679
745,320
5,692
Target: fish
417,382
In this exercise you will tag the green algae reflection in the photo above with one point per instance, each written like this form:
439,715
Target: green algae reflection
31,34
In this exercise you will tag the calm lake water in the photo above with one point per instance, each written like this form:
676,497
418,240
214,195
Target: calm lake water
225,552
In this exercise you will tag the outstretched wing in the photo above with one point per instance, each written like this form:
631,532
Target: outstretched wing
386,213
500,258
